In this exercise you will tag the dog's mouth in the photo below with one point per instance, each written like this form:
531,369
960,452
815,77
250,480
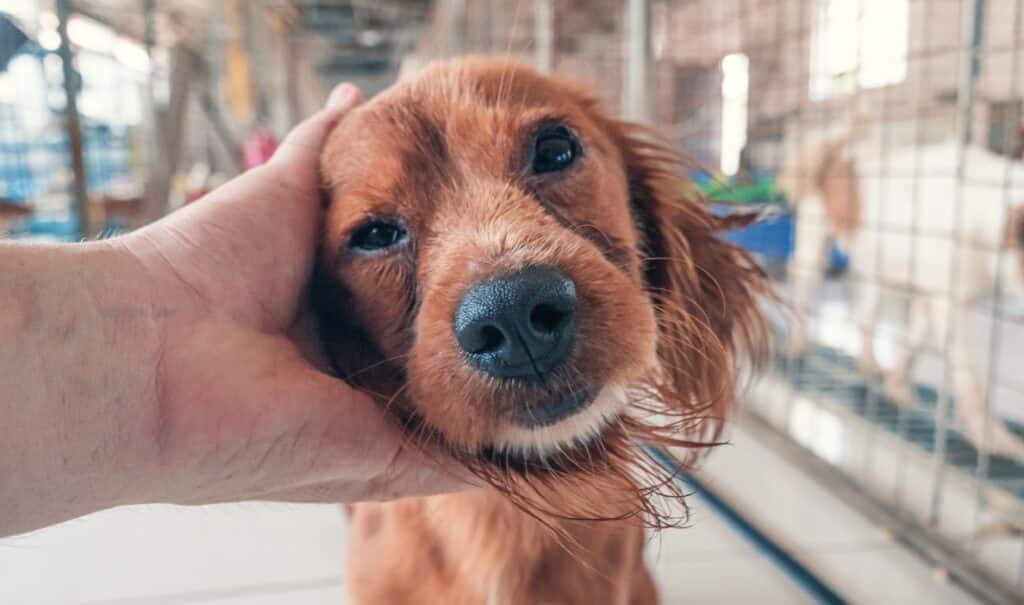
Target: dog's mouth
574,421
552,411
574,457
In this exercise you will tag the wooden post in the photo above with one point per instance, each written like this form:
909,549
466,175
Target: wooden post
79,193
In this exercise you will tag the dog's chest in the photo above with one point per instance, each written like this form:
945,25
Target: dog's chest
478,548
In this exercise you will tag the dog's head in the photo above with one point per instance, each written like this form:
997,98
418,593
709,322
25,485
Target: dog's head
529,284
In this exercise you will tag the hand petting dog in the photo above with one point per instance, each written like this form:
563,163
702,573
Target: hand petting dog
171,365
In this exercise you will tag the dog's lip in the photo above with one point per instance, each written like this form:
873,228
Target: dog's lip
538,415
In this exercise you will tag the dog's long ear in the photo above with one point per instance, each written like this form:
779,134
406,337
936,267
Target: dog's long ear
705,290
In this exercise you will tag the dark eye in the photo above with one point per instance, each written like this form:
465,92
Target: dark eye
377,235
554,149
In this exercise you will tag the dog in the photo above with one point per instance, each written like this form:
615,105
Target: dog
531,287
911,224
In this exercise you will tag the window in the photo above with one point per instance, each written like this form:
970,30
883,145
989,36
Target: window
858,44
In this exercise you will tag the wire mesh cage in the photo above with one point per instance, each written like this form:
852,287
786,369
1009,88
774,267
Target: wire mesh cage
892,131
37,150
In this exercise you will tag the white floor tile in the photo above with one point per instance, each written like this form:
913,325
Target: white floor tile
706,537
764,486
312,592
149,551
886,575
847,551
262,554
727,580
322,596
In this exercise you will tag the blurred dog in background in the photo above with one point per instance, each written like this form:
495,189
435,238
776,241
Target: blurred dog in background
912,224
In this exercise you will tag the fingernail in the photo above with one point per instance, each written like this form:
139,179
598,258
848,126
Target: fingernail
342,94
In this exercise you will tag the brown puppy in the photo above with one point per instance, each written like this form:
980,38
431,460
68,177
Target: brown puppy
526,284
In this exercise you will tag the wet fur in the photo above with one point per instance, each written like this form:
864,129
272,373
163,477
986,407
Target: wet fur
666,307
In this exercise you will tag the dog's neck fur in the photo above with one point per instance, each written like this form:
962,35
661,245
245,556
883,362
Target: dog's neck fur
477,547
478,543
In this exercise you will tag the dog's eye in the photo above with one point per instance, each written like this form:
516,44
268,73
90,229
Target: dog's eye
377,235
554,149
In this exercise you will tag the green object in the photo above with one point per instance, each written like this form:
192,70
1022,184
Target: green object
761,192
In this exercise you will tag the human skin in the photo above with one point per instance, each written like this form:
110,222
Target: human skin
177,364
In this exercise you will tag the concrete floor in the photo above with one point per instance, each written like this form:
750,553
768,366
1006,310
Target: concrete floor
263,554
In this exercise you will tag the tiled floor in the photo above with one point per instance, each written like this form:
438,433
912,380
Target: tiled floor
852,556
260,554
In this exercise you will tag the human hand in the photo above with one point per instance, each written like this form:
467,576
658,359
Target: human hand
189,378
243,413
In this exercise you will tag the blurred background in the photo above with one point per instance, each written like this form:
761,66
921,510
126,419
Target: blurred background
838,487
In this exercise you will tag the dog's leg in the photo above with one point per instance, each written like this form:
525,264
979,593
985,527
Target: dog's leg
807,268
867,322
897,379
988,435
644,592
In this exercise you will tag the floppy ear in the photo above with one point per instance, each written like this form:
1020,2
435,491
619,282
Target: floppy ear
705,290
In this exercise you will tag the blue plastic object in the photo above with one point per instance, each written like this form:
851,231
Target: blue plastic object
770,238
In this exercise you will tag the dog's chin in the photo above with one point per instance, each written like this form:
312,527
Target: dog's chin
574,423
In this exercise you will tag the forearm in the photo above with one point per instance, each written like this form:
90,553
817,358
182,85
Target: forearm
77,347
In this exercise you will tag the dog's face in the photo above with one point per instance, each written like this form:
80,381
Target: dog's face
521,279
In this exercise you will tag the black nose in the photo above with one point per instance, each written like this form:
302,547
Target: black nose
520,325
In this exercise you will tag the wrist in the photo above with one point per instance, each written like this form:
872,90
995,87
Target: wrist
80,351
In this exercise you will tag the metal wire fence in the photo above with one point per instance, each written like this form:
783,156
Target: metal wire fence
893,131
35,149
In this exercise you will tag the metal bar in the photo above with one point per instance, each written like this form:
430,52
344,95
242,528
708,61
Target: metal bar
182,67
792,366
544,26
915,212
293,58
153,121
638,58
457,24
782,559
215,116
73,124
974,13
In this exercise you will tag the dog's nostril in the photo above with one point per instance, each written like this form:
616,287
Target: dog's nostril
546,318
491,340
520,325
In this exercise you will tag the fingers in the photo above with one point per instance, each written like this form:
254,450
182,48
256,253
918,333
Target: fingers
354,451
300,150
423,478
